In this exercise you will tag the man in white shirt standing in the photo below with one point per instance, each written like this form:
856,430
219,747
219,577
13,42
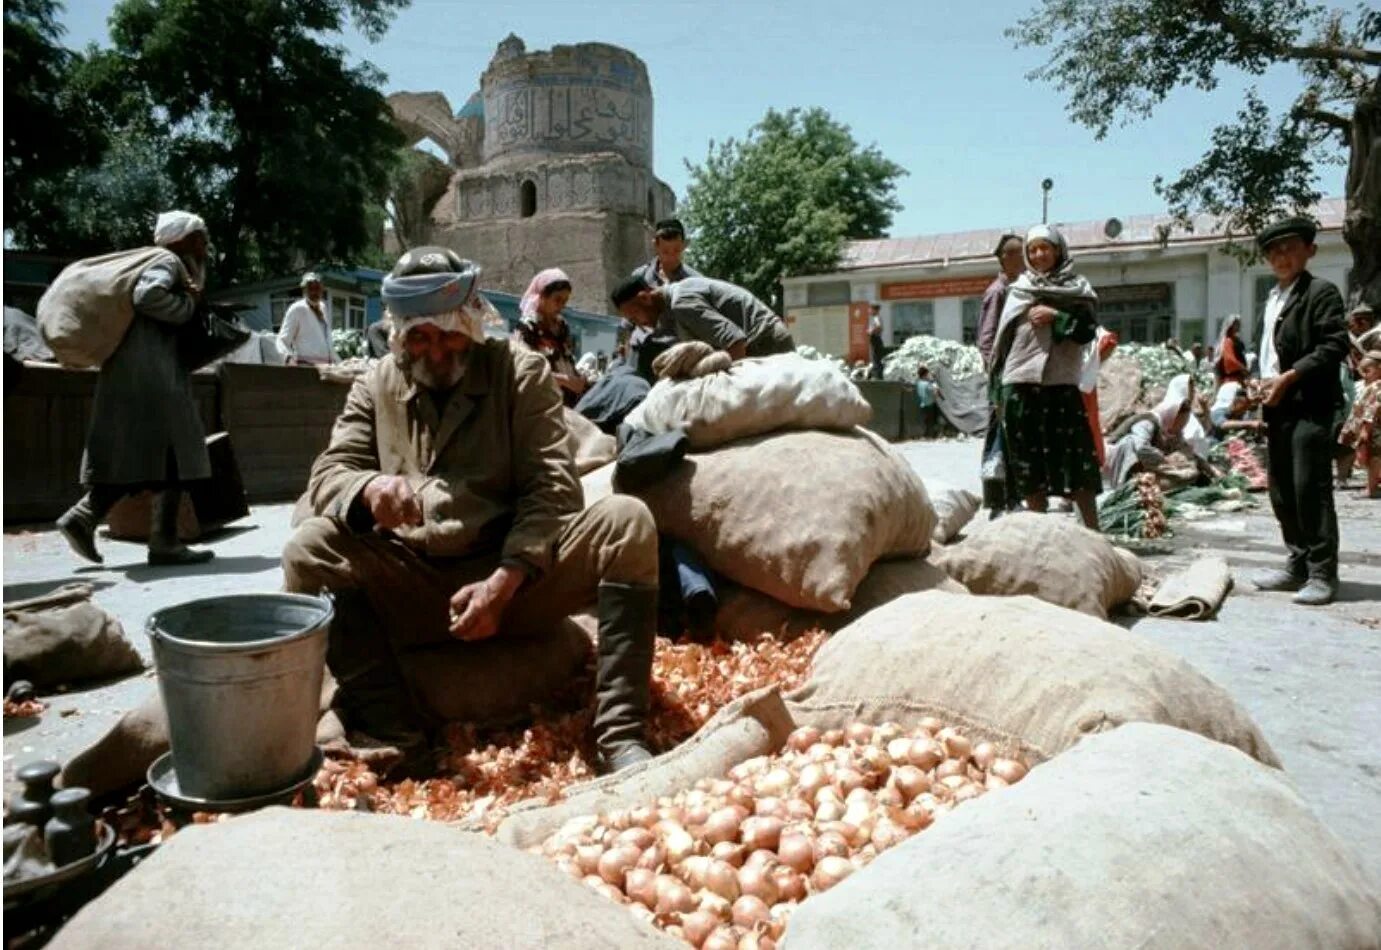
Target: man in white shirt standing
305,338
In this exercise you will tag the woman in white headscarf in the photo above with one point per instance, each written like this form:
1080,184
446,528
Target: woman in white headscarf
146,430
1142,443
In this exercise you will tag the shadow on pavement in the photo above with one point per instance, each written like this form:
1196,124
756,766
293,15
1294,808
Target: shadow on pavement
242,564
15,725
31,589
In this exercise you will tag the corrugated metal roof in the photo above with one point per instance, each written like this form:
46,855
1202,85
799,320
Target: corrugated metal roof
1137,231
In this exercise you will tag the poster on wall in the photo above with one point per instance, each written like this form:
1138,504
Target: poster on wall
859,313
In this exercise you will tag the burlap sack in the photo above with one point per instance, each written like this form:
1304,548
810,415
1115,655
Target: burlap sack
954,509
754,396
1119,389
592,448
497,681
293,878
1047,556
132,517
745,614
1146,837
799,516
85,312
63,638
1015,668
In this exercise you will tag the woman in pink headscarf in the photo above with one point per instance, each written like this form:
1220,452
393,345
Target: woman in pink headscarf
542,329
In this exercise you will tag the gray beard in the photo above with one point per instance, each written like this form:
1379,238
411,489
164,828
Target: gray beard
421,374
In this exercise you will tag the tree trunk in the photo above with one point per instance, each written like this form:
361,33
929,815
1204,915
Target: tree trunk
1362,222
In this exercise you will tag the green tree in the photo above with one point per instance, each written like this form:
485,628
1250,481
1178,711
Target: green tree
1117,60
783,201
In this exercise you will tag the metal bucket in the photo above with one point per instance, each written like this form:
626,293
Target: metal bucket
241,681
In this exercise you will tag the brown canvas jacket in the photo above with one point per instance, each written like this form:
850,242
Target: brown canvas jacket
495,472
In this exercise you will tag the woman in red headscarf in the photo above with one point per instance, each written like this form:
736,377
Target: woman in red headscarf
1230,359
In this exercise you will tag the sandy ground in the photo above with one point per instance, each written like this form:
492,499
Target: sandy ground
1311,678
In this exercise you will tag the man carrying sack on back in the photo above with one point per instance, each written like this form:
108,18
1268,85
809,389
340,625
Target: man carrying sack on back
145,431
447,510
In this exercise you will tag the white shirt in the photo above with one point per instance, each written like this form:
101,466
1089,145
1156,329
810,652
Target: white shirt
304,335
1276,300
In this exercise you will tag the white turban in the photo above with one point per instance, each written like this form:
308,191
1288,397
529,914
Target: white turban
173,226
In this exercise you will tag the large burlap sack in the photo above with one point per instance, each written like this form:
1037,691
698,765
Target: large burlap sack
86,311
752,397
292,878
63,638
592,448
497,681
1047,556
1015,668
1119,390
799,516
1146,837
954,509
745,614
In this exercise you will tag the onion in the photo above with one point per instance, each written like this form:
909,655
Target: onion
768,806
608,838
951,767
729,852
993,783
750,767
858,733
750,911
644,816
668,813
592,880
811,780
722,937
829,811
791,883
618,820
830,871
859,796
984,754
930,724
832,736
915,816
887,835
611,892
967,792
846,780
678,845
697,815
616,861
640,838
698,925
722,825
743,796
569,866
587,858
694,870
861,815
712,903
820,752
828,793
722,878
756,941
956,746
641,885
925,754
890,797
884,734
797,810
873,759
642,913
756,881
898,750
673,897
796,851
762,833
653,858
830,844
1009,770
910,781
775,783
803,738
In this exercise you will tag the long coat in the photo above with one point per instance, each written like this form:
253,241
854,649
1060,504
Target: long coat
494,468
1311,339
144,412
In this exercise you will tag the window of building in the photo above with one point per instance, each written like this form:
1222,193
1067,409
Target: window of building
347,312
912,318
973,307
1138,313
279,304
527,198
827,293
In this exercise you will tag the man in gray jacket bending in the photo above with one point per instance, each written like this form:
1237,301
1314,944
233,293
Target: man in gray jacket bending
716,312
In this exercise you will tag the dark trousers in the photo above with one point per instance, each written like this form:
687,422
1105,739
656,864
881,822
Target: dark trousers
1300,463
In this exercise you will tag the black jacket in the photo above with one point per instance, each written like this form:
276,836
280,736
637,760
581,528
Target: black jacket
1311,339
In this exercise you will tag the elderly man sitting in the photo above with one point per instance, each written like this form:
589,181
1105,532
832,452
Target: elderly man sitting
448,509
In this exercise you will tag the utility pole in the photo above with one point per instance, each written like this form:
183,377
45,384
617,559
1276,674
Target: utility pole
1046,185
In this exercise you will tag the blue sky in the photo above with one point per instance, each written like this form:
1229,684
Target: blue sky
936,86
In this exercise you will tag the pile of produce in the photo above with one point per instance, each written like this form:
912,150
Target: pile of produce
724,864
1159,365
856,372
961,359
349,343
1134,510
1241,457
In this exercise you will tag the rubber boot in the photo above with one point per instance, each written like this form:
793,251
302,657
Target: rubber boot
78,526
627,631
372,698
164,545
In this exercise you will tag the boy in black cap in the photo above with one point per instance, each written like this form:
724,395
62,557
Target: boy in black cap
668,244
1303,342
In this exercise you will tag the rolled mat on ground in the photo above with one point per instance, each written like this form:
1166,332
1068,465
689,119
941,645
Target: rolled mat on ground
800,516
1146,836
63,637
753,397
293,878
1195,593
1047,556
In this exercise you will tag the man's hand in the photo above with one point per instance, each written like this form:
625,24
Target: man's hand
1041,315
575,383
392,502
1273,390
476,608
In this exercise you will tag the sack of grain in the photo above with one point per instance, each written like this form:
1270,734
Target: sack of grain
1145,837
592,448
754,396
1046,556
954,509
799,516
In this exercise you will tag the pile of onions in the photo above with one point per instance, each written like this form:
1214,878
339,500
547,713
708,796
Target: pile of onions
724,863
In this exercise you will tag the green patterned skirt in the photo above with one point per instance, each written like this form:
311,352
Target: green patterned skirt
1049,447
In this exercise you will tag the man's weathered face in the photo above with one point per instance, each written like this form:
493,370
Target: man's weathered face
1011,259
640,310
669,251
314,291
434,358
1289,257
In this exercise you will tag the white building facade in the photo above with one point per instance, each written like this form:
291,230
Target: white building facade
1150,289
